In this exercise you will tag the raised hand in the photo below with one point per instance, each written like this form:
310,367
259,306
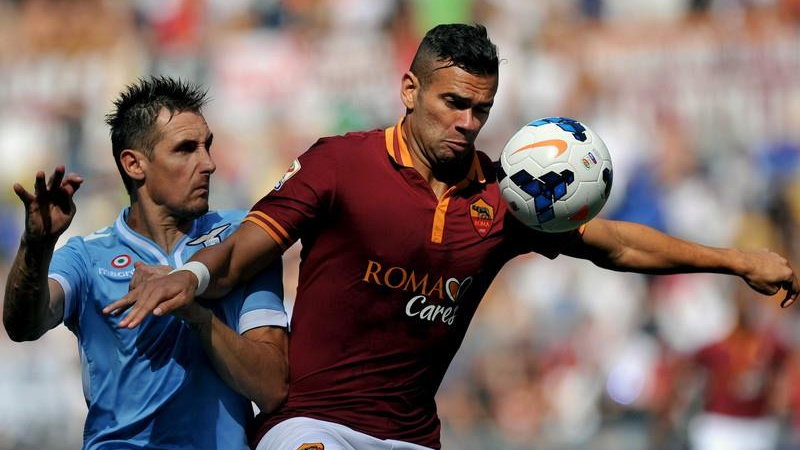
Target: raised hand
769,272
50,209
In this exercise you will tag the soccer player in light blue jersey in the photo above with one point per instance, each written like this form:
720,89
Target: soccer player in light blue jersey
180,381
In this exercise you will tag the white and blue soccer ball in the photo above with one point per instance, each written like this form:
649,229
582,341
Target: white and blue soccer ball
555,174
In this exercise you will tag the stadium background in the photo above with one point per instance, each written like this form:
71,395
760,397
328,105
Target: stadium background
698,101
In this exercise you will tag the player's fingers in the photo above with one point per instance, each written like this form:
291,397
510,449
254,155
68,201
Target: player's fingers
39,186
792,291
71,183
55,179
137,278
120,305
790,298
117,308
170,305
23,194
132,318
144,306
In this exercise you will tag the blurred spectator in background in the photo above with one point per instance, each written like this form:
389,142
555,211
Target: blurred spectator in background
738,384
721,75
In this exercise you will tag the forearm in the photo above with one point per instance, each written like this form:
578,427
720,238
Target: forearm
217,259
236,259
27,309
257,369
627,246
215,271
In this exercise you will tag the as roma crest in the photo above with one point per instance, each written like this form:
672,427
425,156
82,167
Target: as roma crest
482,215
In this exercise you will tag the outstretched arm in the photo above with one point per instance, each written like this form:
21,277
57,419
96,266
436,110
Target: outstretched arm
236,259
626,246
33,304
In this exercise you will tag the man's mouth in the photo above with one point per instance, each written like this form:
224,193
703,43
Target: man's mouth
458,146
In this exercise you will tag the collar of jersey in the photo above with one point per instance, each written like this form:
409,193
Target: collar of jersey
398,151
136,240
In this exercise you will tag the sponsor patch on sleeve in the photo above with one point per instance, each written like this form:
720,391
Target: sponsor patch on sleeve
293,169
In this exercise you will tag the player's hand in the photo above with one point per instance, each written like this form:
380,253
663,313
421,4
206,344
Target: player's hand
50,209
192,313
143,272
159,296
770,272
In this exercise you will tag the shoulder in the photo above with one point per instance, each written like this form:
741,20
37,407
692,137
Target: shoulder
102,238
222,216
102,235
349,144
219,222
82,250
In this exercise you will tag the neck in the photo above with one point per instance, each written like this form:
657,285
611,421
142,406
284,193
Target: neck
156,223
440,177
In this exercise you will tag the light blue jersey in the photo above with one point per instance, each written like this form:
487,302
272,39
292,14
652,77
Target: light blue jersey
153,386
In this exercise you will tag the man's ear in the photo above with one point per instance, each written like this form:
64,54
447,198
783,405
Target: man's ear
409,89
133,163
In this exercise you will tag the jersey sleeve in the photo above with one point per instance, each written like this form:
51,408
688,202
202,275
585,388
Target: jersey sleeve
526,240
301,198
263,301
68,268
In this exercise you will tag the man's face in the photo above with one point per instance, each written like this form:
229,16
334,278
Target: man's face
448,112
177,176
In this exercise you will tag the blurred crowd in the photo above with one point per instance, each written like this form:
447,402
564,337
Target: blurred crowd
697,100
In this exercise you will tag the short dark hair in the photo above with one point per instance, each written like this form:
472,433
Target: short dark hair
467,47
133,121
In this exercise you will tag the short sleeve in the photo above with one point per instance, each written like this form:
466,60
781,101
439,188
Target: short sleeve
301,198
68,268
263,301
527,240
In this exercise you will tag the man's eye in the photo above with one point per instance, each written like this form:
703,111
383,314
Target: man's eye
457,104
187,147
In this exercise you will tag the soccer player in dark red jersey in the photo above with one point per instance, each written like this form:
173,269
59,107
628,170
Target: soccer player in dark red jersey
741,377
403,230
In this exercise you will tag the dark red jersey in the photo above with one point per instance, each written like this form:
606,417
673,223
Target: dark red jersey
390,278
742,369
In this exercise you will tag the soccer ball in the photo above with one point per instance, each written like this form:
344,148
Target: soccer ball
555,174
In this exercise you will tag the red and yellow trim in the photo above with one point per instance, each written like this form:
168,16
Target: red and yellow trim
440,215
397,148
476,172
396,145
271,227
437,232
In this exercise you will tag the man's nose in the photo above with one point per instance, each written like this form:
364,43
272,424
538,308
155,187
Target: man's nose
207,164
468,121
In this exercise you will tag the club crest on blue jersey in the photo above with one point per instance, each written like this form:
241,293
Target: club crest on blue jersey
210,238
293,169
121,261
